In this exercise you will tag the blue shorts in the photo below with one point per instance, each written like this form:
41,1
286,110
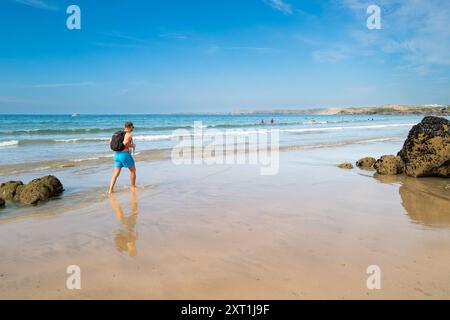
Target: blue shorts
123,160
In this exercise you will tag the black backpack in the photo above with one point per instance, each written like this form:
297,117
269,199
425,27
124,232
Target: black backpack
117,141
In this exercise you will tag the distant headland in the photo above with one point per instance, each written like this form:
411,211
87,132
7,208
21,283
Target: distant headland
388,109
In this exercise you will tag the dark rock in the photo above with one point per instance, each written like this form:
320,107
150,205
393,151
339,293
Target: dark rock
40,190
389,165
366,163
2,203
8,189
345,165
426,151
55,186
34,192
17,194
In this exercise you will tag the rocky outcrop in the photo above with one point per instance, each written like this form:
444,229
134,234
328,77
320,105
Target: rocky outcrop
40,190
389,165
2,203
17,194
36,191
8,189
426,151
345,165
366,163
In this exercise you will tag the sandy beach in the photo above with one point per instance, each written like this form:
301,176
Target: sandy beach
283,149
226,232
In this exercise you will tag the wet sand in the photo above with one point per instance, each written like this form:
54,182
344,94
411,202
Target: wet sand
226,232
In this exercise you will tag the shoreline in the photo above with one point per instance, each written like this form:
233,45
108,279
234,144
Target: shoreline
160,155
94,171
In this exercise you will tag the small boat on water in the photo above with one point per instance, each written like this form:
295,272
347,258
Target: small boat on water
75,114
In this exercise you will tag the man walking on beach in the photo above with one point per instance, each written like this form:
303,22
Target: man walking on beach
122,144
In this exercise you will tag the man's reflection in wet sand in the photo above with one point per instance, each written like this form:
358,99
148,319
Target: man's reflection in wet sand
425,199
125,235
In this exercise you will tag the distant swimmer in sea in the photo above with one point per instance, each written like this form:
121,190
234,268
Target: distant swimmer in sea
261,122
122,144
271,121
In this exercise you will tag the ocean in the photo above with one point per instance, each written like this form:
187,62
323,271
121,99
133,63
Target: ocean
41,142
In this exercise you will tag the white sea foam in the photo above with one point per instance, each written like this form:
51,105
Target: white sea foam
156,137
315,122
86,159
199,126
200,131
74,140
379,126
10,143
94,157
249,132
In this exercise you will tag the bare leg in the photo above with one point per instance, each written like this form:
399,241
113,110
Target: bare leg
114,179
132,176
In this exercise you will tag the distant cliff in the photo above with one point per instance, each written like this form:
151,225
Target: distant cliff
400,110
389,109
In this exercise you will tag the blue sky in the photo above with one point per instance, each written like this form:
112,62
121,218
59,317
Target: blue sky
171,56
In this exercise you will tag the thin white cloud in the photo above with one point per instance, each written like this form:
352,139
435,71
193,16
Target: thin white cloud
116,39
63,85
353,4
117,45
280,5
10,99
331,55
255,49
174,35
39,4
416,30
121,92
213,49
262,50
139,82
123,36
20,100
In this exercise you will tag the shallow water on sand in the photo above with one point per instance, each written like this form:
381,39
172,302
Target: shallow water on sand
227,232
